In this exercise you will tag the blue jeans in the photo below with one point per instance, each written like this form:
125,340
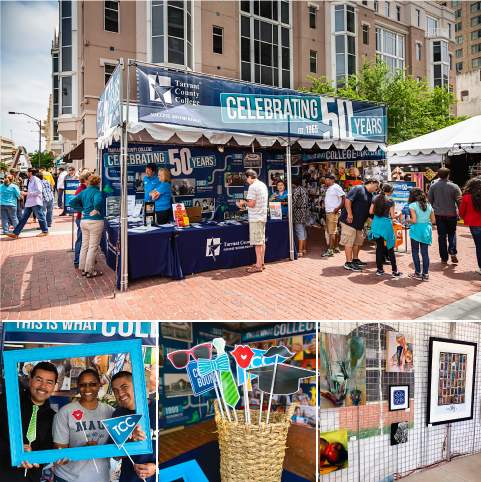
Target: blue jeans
38,211
446,227
60,198
78,243
476,234
415,245
48,212
9,216
19,208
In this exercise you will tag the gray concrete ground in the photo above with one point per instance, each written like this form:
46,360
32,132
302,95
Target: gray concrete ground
468,308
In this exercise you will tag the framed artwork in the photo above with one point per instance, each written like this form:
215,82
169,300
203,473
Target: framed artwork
398,397
333,448
187,472
13,359
399,433
451,371
399,352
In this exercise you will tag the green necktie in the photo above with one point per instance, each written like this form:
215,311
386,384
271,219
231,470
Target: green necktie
32,427
229,389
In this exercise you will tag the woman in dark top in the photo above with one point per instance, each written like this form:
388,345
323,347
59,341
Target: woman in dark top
382,230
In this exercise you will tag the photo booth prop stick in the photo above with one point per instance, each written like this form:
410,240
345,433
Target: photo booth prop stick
120,429
180,359
243,356
77,415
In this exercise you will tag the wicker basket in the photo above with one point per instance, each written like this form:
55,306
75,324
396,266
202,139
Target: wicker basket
249,451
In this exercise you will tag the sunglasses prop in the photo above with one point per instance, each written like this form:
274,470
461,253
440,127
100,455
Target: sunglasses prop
203,352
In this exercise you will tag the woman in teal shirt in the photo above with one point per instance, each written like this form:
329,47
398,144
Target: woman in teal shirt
163,197
9,193
280,196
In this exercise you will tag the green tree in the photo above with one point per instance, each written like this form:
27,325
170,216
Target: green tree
3,167
413,108
46,160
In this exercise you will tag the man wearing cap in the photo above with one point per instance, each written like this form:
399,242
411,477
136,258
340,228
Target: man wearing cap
19,183
37,420
333,202
61,187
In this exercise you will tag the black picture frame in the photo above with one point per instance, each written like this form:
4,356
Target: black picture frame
456,345
391,406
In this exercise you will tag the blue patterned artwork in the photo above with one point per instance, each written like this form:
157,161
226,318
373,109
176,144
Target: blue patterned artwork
399,397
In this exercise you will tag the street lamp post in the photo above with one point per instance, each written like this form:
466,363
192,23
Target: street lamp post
39,123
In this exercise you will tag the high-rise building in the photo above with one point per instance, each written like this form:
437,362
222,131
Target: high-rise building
7,148
276,42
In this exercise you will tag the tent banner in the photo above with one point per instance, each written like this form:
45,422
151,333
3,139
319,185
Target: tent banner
343,155
201,177
108,108
185,99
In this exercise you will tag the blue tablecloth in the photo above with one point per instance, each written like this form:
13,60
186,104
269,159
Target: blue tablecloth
174,252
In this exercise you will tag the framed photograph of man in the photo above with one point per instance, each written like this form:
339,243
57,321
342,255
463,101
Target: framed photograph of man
451,374
183,187
131,353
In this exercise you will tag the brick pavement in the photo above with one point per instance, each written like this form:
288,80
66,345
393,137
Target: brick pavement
38,282
300,455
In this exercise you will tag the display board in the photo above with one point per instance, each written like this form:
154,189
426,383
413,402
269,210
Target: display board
400,196
185,99
108,109
202,177
70,188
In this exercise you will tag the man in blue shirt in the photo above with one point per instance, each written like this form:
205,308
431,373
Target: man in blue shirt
151,181
144,466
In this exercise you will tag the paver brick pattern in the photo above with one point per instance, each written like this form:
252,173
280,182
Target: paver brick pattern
39,282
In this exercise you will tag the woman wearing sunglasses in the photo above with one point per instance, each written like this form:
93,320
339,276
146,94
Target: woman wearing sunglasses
79,424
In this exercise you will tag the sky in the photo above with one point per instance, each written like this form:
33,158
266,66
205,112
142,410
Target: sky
27,30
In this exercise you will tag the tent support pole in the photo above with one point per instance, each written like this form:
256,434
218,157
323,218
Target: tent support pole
123,198
289,201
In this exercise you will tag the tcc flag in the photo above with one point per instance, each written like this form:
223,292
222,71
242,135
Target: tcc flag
120,428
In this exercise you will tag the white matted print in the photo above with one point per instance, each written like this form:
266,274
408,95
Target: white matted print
207,204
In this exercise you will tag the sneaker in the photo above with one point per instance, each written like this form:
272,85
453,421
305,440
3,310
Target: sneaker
336,250
444,262
426,277
454,259
416,275
327,254
386,261
380,272
358,262
352,267
396,274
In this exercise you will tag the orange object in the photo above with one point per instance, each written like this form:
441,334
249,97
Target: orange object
398,233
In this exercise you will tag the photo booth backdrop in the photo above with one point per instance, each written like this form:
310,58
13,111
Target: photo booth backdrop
209,173
372,458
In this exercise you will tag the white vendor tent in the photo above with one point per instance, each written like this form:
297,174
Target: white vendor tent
436,146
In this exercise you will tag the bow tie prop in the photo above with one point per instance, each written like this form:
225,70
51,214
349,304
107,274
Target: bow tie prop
281,379
221,363
77,415
221,371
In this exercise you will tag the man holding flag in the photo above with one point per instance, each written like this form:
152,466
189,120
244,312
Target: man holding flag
139,466
37,420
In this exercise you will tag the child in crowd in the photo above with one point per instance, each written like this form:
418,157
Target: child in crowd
382,229
421,232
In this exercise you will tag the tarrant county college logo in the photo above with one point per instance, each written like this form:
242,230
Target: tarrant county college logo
213,247
160,89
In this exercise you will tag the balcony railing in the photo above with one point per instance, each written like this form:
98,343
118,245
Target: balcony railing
437,32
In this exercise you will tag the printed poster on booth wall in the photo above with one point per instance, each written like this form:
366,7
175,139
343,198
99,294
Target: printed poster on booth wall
275,210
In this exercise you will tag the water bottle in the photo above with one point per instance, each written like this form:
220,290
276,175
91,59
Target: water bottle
149,222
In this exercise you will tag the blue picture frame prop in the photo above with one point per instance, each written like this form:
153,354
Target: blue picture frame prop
186,472
12,358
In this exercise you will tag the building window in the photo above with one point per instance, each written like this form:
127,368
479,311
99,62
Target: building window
217,40
440,63
455,4
245,6
418,51
419,80
475,21
418,18
269,61
55,130
82,127
390,48
172,32
475,48
66,95
345,42
449,31
431,27
111,17
386,9
458,27
458,40
365,34
475,34
364,2
108,70
458,13
376,6
459,66
459,53
55,102
475,7
55,63
398,14
450,62
312,17
66,35
464,95
313,61
476,62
